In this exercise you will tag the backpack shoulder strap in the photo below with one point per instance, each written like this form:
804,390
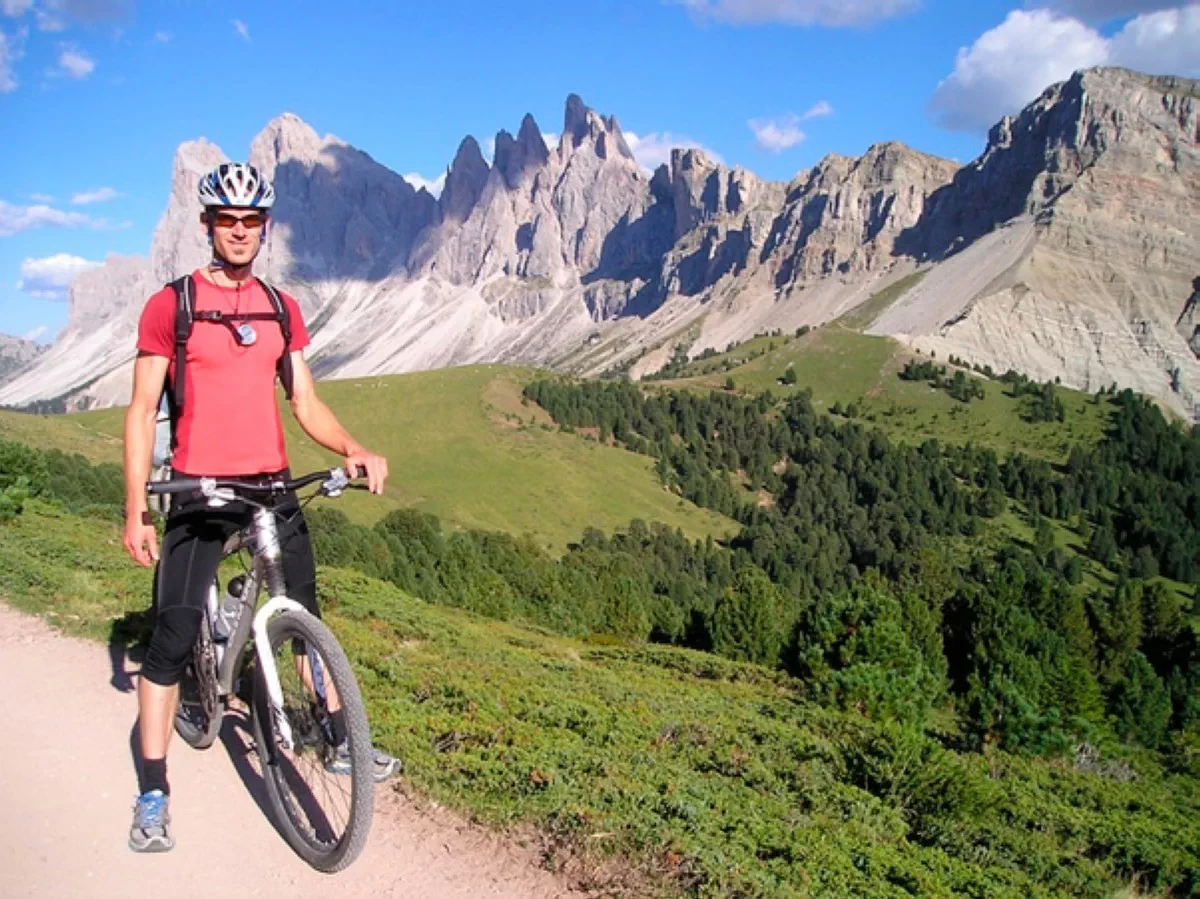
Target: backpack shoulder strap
185,315
284,366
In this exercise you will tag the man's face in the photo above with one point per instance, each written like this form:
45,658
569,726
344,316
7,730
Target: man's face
236,233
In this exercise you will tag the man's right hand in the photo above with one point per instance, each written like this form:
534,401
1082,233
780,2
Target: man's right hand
141,540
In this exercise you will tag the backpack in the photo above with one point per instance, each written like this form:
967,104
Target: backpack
173,396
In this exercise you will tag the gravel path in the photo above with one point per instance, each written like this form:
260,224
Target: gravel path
67,782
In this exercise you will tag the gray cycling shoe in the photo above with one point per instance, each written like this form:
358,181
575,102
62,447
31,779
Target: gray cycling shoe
385,766
151,819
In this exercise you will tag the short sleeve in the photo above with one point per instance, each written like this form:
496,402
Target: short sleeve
156,327
300,338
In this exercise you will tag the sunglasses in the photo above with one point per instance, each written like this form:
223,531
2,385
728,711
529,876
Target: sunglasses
252,222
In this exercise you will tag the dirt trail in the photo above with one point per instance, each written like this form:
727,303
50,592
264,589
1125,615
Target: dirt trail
67,782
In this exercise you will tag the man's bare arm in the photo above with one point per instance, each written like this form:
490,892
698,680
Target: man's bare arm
319,423
149,373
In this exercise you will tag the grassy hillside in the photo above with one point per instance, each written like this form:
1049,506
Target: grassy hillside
460,444
676,772
95,435
842,366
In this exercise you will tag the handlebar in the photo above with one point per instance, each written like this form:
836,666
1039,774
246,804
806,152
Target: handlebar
336,480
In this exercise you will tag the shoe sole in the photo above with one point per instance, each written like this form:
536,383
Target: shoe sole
154,844
389,772
379,775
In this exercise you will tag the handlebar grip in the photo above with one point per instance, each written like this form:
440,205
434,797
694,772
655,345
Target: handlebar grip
178,485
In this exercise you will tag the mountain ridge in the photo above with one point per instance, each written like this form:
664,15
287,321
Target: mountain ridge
571,256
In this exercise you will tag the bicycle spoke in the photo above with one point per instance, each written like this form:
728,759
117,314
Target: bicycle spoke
319,801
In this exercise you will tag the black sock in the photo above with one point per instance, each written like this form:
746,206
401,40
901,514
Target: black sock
154,776
338,722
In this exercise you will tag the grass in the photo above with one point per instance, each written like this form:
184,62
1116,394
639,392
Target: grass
841,366
91,434
671,771
864,314
460,444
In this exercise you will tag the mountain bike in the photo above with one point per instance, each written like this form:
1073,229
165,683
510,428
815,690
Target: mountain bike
308,720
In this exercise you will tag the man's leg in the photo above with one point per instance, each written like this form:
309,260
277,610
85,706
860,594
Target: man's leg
190,554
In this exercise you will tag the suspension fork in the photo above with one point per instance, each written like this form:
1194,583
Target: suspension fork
269,562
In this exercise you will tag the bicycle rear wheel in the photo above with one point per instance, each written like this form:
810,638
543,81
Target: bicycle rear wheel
198,714
321,787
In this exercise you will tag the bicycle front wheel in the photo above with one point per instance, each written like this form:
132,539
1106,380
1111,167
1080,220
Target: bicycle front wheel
316,750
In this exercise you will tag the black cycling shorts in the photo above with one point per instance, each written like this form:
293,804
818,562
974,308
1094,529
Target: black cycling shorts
191,551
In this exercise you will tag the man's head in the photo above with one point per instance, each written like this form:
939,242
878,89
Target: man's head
236,201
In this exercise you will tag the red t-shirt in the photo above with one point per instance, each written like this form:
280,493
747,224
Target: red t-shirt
230,424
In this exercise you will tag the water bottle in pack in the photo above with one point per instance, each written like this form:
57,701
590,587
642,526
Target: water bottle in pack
230,608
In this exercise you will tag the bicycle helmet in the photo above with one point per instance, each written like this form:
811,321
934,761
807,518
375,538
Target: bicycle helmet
236,184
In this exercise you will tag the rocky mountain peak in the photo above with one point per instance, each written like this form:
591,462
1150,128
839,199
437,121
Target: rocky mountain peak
515,157
582,123
286,137
465,180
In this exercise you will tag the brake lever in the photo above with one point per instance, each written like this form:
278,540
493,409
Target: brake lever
335,483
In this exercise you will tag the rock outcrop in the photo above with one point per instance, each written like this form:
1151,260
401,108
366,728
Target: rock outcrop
16,354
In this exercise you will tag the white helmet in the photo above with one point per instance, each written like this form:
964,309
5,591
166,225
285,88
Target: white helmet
236,184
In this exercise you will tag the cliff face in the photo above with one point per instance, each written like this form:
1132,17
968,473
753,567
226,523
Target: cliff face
1069,249
1103,176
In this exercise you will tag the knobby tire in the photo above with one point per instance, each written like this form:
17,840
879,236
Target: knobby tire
323,855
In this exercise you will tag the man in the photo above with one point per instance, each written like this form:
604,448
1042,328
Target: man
229,426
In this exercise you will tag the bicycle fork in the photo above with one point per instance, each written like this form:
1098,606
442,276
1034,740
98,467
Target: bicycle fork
269,551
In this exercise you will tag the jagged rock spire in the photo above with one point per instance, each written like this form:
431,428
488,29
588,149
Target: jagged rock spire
464,181
514,157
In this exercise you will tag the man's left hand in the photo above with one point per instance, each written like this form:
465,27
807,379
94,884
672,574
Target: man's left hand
376,466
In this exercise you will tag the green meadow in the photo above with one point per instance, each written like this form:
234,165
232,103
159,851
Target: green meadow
460,444
842,366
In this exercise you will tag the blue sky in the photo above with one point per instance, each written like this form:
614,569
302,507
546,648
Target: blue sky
95,95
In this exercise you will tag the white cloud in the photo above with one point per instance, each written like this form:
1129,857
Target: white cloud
242,29
15,219
74,63
799,12
1165,42
41,198
1010,65
654,149
12,48
15,8
37,332
818,110
161,37
48,278
99,195
777,134
434,187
